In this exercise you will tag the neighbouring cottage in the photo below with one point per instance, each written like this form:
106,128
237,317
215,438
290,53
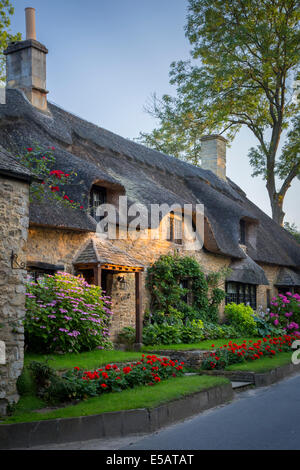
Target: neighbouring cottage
14,216
263,257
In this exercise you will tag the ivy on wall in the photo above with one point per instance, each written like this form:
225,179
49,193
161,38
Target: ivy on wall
170,279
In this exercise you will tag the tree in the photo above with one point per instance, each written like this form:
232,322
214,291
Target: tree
293,230
245,55
6,11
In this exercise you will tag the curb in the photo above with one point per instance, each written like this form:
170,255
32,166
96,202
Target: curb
262,379
120,423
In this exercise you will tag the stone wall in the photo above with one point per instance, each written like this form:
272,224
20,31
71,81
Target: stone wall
14,211
271,273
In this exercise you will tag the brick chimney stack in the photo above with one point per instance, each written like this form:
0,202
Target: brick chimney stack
26,65
213,154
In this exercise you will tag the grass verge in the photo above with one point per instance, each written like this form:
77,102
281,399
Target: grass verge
265,364
85,360
205,345
139,397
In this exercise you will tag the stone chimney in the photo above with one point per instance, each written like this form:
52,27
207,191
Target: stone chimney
26,65
213,154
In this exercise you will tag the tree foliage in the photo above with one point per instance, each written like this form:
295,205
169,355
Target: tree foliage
245,55
293,230
6,11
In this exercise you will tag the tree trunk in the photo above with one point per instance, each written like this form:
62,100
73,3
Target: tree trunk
277,211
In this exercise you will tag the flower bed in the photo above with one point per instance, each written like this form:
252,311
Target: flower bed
232,353
148,371
79,383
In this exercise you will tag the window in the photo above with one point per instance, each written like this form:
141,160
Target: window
36,270
175,229
97,198
284,289
242,232
184,284
241,293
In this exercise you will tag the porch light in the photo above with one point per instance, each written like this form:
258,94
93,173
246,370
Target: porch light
122,282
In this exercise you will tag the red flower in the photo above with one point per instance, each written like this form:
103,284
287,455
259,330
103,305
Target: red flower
29,149
103,386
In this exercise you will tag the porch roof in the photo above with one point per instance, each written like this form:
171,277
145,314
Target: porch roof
288,277
104,253
247,271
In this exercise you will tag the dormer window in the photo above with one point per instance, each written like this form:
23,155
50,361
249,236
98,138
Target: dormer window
98,197
175,231
242,240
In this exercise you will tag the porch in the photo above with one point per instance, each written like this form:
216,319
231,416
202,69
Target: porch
103,264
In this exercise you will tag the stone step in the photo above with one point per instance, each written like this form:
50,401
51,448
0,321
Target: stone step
240,385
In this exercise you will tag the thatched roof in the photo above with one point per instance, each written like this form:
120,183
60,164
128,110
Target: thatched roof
11,168
146,176
247,271
104,252
288,277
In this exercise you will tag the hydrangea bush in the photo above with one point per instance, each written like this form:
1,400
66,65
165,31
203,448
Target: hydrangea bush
66,314
285,312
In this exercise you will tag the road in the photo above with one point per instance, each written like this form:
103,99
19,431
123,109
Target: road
266,418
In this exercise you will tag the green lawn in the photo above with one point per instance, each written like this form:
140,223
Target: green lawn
86,360
139,397
207,344
265,364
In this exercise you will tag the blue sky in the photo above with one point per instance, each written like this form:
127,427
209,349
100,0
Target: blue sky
106,58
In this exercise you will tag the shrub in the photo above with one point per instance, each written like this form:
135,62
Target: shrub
241,317
127,336
286,313
265,327
192,332
161,334
65,314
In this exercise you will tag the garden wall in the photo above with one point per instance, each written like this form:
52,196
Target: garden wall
14,216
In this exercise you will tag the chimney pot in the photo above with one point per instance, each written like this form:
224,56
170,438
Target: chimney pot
30,23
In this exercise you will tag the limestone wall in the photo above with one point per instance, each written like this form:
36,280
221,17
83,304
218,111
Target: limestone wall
271,272
14,211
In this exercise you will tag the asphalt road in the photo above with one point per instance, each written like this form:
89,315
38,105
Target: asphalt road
262,419
266,418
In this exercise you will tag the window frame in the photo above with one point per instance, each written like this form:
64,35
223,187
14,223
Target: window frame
100,191
243,232
240,296
172,220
